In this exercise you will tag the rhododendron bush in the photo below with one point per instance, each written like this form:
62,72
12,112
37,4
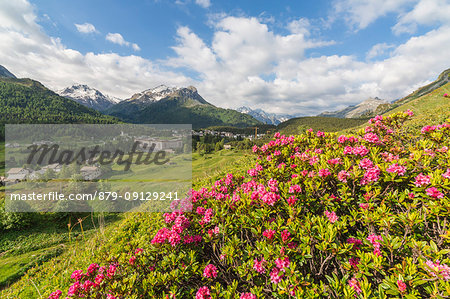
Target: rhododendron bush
317,215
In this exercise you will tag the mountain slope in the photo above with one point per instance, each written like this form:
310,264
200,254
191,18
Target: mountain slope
299,125
264,117
88,97
363,109
167,105
5,73
28,101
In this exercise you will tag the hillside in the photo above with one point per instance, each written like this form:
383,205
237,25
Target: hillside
315,215
28,101
177,106
327,124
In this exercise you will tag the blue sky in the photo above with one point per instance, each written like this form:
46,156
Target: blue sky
300,57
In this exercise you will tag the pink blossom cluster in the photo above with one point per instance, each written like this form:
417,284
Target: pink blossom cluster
371,175
210,271
354,284
372,138
438,270
259,265
422,180
358,150
374,240
203,293
331,216
247,296
396,168
365,163
356,242
434,192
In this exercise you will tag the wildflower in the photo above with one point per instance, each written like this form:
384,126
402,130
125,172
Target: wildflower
354,261
371,175
374,239
77,275
268,233
274,275
422,180
372,138
343,175
259,266
87,285
292,200
437,268
365,163
99,278
342,139
252,172
74,289
112,270
55,295
324,172
320,134
210,271
247,296
401,286
138,250
447,174
92,268
354,283
203,293
132,260
355,242
331,216
110,296
434,192
396,168
295,188
285,235
282,263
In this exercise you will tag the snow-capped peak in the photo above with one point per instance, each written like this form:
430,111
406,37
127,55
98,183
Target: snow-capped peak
262,116
88,96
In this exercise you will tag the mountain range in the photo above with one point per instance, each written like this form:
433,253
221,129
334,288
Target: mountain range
364,109
88,97
265,117
177,105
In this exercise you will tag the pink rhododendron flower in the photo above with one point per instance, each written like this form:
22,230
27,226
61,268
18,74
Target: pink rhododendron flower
324,172
365,163
259,265
132,260
99,278
138,250
87,285
355,242
371,175
292,200
447,174
401,286
274,275
210,271
354,283
331,216
247,296
364,206
396,168
252,172
372,138
282,263
342,176
342,139
285,235
111,270
203,293
295,188
434,192
320,134
74,289
55,295
354,261
422,180
374,239
437,268
77,275
109,296
427,129
268,233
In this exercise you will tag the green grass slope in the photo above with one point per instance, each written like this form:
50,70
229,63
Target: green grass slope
299,125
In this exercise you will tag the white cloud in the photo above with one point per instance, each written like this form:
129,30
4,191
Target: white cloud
245,63
203,3
86,28
426,12
28,52
117,38
361,13
378,50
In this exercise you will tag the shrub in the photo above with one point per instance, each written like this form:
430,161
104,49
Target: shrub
319,215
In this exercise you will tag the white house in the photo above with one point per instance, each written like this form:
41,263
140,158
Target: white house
17,174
